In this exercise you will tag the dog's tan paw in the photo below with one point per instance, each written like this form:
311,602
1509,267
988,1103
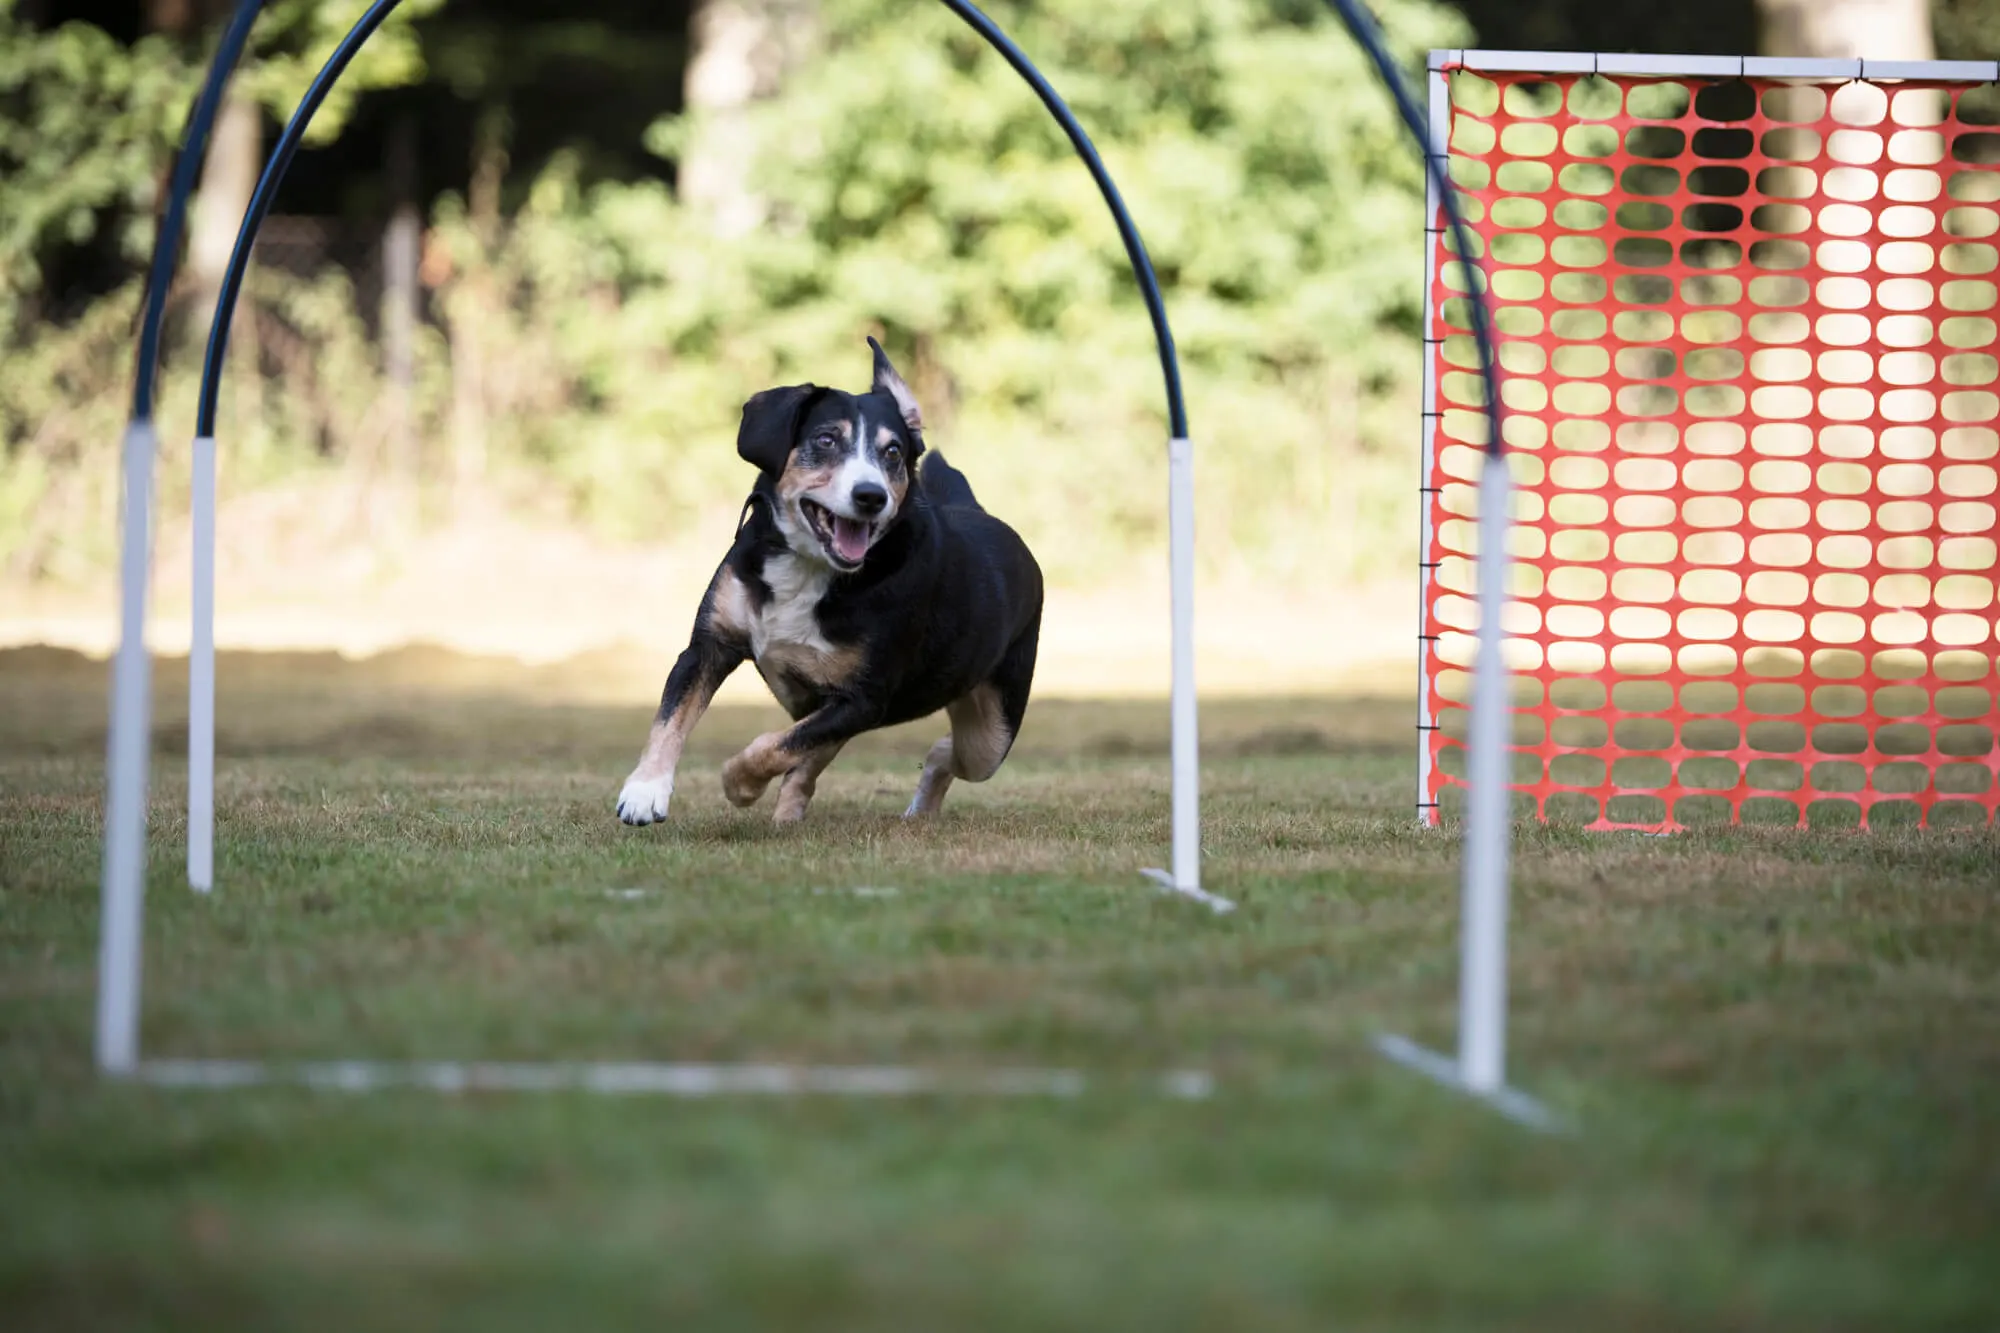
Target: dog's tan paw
645,801
741,783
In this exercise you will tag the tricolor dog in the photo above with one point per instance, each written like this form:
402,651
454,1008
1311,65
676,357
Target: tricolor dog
869,588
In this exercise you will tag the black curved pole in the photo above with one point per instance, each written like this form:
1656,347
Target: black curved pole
336,65
261,200
1135,248
1360,23
187,169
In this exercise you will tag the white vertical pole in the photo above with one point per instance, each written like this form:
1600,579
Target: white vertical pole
201,677
1186,743
124,886
1482,985
1433,333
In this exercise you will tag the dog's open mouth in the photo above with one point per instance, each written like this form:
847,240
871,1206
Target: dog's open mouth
845,540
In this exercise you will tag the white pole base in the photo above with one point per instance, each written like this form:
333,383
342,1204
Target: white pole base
1215,902
646,1078
1516,1105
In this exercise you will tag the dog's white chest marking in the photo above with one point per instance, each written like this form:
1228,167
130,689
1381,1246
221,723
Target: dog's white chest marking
785,638
787,619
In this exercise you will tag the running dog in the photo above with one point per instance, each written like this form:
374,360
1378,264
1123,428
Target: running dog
869,588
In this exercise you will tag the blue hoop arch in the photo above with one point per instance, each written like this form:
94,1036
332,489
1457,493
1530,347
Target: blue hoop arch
187,169
1361,25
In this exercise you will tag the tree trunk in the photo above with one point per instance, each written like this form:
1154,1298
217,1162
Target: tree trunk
1847,29
229,174
401,240
170,16
740,52
228,178
473,301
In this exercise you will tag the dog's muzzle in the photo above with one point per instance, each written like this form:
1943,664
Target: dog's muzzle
845,540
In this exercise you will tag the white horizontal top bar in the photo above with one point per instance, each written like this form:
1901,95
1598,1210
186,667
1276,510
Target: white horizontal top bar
1803,67
1536,62
1711,67
1714,67
1947,71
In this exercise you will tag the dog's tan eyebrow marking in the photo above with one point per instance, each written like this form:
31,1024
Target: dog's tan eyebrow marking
798,480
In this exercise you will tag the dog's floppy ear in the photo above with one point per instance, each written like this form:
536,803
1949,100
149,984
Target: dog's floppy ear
771,425
889,382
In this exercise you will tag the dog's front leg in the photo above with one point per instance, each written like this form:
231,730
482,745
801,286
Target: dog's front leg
795,792
699,673
811,744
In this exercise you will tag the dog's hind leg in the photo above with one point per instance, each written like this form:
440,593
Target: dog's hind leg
935,781
984,723
979,740
795,793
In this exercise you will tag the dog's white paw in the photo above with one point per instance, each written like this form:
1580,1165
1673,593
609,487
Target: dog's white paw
644,800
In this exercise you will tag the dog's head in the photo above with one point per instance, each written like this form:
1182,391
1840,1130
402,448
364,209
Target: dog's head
841,464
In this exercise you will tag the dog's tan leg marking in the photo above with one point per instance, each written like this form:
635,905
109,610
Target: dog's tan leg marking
978,743
795,793
754,767
650,788
980,737
776,753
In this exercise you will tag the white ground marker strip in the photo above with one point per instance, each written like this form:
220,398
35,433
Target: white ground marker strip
1215,902
1516,1105
648,1079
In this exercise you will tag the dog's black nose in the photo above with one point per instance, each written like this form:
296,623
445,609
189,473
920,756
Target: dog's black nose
869,498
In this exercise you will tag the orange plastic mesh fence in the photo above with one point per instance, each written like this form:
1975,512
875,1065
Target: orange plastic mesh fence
1748,331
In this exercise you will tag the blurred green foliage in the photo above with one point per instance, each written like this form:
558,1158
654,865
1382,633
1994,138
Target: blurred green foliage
84,124
590,352
88,122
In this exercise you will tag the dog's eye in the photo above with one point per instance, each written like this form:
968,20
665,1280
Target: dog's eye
892,454
823,440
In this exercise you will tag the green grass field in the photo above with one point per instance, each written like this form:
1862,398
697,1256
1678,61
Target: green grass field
1782,1049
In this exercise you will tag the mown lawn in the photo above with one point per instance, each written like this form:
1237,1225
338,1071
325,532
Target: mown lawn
1782,1050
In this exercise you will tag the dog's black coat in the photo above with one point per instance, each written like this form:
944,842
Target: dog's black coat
948,598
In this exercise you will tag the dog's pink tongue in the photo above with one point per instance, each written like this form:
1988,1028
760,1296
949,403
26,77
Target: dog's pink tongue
850,539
